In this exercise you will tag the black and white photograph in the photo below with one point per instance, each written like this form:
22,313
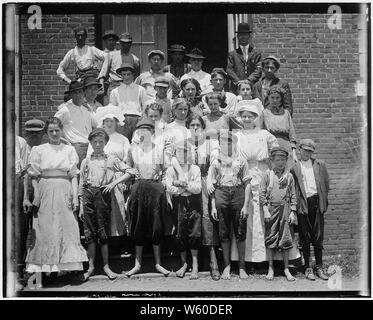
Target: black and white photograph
186,150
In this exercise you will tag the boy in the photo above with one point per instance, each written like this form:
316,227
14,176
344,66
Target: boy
312,187
161,87
97,175
228,183
186,204
130,97
278,200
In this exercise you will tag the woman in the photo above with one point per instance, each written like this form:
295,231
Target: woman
191,91
206,150
57,244
216,119
270,66
147,205
254,145
110,118
277,120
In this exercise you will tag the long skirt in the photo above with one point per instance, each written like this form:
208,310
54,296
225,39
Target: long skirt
56,244
149,217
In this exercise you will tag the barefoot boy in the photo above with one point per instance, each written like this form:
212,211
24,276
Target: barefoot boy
230,190
278,200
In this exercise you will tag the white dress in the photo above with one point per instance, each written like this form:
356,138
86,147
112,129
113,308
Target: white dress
56,245
118,145
254,146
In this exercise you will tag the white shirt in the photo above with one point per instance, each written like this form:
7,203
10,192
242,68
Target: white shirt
130,98
78,122
202,77
308,178
245,51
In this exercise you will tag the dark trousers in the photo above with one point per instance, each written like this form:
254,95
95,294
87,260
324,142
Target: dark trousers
189,221
311,230
96,217
229,202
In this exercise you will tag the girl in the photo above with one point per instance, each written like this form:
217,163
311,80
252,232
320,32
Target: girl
53,166
191,91
205,151
277,121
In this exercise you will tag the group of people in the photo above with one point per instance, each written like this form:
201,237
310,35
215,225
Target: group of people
209,159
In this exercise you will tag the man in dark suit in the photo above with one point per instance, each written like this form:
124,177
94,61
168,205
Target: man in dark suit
312,188
244,62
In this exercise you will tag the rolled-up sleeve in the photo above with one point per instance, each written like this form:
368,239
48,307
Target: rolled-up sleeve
34,169
64,65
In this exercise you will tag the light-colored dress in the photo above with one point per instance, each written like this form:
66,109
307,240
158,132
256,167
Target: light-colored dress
117,146
56,245
254,146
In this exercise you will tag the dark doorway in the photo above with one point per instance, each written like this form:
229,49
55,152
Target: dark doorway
208,32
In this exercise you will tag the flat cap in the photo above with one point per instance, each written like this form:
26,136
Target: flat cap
125,37
145,123
156,52
34,125
307,144
161,82
97,132
279,151
110,33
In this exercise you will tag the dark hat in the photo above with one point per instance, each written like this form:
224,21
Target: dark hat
156,52
125,37
78,29
34,125
145,123
161,82
96,132
75,85
275,60
219,70
91,81
279,151
110,33
196,54
177,48
126,66
244,27
307,144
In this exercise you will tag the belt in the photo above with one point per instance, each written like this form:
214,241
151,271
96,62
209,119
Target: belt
314,196
230,187
80,143
54,174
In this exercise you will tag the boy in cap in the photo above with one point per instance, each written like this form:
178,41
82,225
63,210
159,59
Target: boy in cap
97,181
130,97
77,120
110,40
114,60
177,67
312,188
91,89
278,201
161,86
83,58
186,206
244,62
156,59
228,184
196,59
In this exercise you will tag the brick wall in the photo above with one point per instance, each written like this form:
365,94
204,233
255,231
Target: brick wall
322,66
42,50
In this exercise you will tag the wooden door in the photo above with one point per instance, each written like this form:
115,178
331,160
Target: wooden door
149,31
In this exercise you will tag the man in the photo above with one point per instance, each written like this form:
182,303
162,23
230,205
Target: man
177,67
110,40
114,60
156,59
312,188
91,89
130,97
244,62
196,59
76,119
83,58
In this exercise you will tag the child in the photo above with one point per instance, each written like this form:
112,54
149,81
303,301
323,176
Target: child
161,86
245,90
228,182
278,200
96,182
186,203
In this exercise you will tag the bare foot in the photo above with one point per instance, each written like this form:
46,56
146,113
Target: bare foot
243,274
89,273
162,270
181,272
134,270
226,275
111,275
194,274
288,275
270,274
